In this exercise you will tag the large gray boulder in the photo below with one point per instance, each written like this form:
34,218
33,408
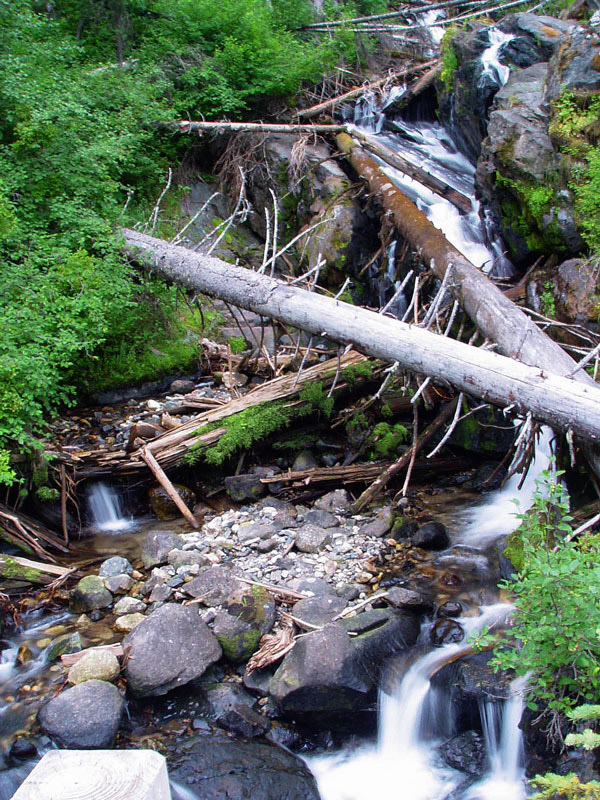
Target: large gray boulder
168,649
213,585
158,545
321,675
84,717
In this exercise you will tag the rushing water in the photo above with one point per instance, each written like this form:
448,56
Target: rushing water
105,510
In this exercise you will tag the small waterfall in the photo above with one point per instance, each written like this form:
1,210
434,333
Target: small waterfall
105,509
490,57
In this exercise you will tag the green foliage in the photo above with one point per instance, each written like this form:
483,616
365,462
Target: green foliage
385,439
556,624
547,301
258,422
47,494
352,373
7,474
449,58
238,344
564,787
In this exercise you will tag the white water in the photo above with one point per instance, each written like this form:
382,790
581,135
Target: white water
490,57
105,509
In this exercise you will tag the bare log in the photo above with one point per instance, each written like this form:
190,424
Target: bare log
558,401
28,534
186,126
161,477
414,171
23,569
329,105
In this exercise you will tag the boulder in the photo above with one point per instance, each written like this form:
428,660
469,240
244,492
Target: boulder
101,665
446,631
245,487
379,526
304,460
321,518
127,622
465,752
319,610
232,708
67,643
571,291
119,584
408,599
311,539
117,565
164,507
182,386
84,717
181,558
431,536
90,593
238,639
129,605
157,546
168,649
213,585
321,675
215,766
336,502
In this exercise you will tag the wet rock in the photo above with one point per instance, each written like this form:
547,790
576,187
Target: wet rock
258,681
537,37
403,528
218,767
311,538
323,519
119,584
319,610
168,649
465,752
487,478
336,502
382,634
432,536
321,675
68,643
84,717
446,631
157,546
23,749
180,558
408,599
164,507
232,708
450,609
244,721
117,565
304,460
244,487
101,665
182,386
213,585
222,697
127,622
90,593
238,639
129,605
379,526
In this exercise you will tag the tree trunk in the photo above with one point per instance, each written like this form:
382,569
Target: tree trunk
562,403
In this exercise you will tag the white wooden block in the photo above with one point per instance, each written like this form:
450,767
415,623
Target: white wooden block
97,775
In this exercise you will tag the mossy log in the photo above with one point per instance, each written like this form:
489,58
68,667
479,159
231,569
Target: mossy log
561,402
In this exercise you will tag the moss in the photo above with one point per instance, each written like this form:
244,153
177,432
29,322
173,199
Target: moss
240,646
528,214
296,443
514,549
237,344
385,439
449,58
11,569
355,371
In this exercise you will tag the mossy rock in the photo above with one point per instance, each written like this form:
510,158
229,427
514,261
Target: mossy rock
164,507
89,594
238,639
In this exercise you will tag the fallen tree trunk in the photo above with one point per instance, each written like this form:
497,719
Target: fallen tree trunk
185,126
562,403
414,171
329,105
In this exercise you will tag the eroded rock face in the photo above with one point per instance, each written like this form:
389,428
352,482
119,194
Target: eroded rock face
84,717
569,293
168,649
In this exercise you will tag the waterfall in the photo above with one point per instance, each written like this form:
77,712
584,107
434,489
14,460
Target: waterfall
105,509
492,67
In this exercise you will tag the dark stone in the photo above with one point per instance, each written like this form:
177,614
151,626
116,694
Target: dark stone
218,767
319,610
252,605
324,519
403,528
90,593
213,585
84,717
446,631
450,609
164,507
67,643
244,487
157,546
222,697
465,752
22,749
321,675
487,478
117,565
244,721
315,586
432,536
382,633
408,599
336,502
182,386
238,639
168,649
379,526
304,460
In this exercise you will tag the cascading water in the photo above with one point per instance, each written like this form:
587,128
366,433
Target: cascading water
105,510
490,58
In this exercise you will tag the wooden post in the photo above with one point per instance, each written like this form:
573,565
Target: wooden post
97,775
162,478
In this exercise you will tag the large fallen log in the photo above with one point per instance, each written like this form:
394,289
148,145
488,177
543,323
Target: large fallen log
563,403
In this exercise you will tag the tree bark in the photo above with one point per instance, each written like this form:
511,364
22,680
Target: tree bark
186,126
563,403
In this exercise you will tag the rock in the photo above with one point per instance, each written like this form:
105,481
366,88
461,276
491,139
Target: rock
573,289
68,643
258,681
101,665
164,507
157,546
465,752
321,675
119,584
159,576
233,379
84,717
117,565
304,460
90,593
129,605
216,766
244,721
267,545
168,649
232,708
382,633
213,585
238,639
408,599
445,631
244,487
311,539
182,386
160,593
127,622
575,68
253,605
403,528
321,518
181,558
222,697
379,526
450,609
319,610
336,502
432,536
23,749
309,584
256,530
249,614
